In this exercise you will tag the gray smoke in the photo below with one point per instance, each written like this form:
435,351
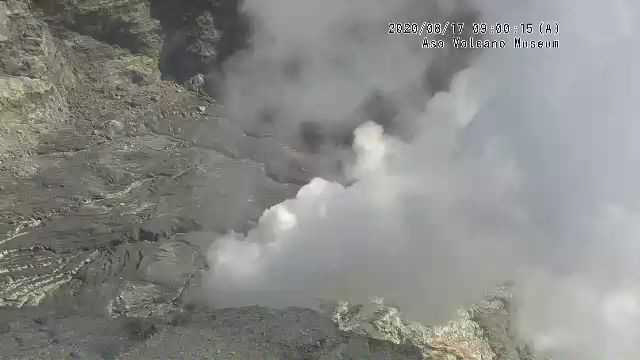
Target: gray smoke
320,63
520,168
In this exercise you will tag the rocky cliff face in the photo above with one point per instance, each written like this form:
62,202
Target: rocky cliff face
125,23
114,178
33,77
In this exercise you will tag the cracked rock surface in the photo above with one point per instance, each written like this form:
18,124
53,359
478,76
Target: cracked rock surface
114,182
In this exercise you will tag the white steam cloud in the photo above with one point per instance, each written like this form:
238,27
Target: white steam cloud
409,229
524,167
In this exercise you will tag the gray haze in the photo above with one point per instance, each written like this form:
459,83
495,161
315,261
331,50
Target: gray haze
521,169
570,116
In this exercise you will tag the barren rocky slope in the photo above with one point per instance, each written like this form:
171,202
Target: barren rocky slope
114,178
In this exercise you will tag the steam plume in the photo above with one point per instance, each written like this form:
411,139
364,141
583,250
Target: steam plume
521,168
